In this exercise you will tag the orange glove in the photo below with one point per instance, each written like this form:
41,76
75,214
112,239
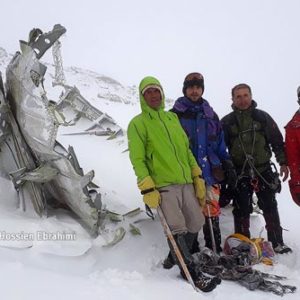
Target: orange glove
214,208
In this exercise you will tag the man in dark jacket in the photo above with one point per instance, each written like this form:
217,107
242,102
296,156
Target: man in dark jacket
206,137
251,135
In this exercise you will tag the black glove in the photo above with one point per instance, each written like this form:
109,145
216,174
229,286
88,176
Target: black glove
230,174
226,195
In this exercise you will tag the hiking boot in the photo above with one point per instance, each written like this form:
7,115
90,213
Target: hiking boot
202,282
282,248
169,262
206,284
185,242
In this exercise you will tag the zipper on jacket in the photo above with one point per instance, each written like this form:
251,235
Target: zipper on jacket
173,147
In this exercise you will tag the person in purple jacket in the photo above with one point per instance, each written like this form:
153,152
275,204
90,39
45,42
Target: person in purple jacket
206,137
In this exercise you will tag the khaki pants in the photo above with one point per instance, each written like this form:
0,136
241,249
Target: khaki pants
181,208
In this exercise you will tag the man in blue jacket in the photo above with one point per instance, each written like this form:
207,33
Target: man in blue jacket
206,137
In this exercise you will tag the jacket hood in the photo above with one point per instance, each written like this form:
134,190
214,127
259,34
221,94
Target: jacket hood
149,80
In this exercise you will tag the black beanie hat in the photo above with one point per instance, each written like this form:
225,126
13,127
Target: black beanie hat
191,80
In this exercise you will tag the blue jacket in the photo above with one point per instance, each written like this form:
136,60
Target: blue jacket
205,134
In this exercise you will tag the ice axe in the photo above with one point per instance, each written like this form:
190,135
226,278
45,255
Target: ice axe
170,237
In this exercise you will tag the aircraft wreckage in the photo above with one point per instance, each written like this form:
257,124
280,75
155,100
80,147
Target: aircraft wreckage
41,169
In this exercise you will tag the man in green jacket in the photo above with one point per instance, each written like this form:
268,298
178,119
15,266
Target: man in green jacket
251,136
167,172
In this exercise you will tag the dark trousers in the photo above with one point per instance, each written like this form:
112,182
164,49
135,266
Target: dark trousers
215,231
242,202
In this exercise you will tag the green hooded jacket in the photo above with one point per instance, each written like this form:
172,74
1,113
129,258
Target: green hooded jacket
158,145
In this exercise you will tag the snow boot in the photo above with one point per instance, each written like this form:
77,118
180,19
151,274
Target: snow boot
193,244
168,262
282,248
204,283
274,232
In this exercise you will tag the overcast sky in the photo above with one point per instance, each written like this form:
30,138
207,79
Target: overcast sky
232,41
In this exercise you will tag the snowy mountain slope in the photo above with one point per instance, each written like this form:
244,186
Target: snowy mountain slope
132,268
101,91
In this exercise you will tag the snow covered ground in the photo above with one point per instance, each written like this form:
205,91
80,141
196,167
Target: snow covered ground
83,268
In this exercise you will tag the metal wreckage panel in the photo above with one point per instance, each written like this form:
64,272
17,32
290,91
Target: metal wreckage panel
102,122
16,157
41,168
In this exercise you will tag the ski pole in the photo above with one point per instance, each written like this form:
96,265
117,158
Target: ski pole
211,230
169,236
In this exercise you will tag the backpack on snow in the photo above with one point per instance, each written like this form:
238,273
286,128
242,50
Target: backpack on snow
258,249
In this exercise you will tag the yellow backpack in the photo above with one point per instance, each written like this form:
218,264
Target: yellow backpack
259,250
